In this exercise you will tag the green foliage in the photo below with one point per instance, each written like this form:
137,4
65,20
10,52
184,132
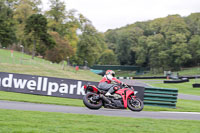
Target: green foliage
23,10
90,45
167,43
61,51
127,43
161,44
194,47
180,53
36,26
7,34
56,16
108,58
66,24
193,22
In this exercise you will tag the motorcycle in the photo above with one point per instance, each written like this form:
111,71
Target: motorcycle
124,97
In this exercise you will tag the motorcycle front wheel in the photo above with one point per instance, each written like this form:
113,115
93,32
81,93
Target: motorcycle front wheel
135,104
92,101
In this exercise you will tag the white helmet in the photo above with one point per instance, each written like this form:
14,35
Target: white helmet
110,72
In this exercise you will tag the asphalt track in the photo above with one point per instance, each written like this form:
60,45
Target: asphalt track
105,112
102,112
141,83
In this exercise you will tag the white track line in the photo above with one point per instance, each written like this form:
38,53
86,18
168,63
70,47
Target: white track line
196,113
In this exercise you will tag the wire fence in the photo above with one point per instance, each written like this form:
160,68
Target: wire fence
29,61
25,61
38,62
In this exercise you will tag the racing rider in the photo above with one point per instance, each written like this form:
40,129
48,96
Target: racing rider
105,83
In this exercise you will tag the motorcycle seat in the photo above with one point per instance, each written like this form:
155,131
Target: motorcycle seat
102,91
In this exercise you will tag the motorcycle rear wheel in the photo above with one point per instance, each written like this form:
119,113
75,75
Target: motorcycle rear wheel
92,103
135,104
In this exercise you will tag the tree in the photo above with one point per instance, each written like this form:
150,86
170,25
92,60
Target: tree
142,51
193,22
74,24
61,51
56,16
89,47
155,45
173,25
7,34
180,54
156,25
160,43
127,44
145,27
23,9
66,23
36,26
111,38
123,49
176,35
194,47
108,58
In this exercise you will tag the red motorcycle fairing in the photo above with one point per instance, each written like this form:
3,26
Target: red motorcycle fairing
91,88
125,93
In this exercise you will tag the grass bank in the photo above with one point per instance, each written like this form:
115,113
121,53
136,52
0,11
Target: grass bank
23,64
13,121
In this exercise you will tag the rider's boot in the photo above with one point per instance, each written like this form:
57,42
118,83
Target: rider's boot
110,91
108,94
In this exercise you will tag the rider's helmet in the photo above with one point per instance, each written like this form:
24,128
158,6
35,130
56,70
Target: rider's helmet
110,72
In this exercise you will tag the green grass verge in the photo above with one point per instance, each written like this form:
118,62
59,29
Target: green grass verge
185,88
13,121
50,71
182,105
41,67
12,96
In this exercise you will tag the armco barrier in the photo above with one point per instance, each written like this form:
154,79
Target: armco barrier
177,81
165,77
124,77
116,67
162,97
196,85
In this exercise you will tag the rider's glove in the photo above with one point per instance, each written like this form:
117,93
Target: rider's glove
122,84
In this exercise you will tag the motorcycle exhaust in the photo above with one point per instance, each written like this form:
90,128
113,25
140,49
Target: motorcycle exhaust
105,99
